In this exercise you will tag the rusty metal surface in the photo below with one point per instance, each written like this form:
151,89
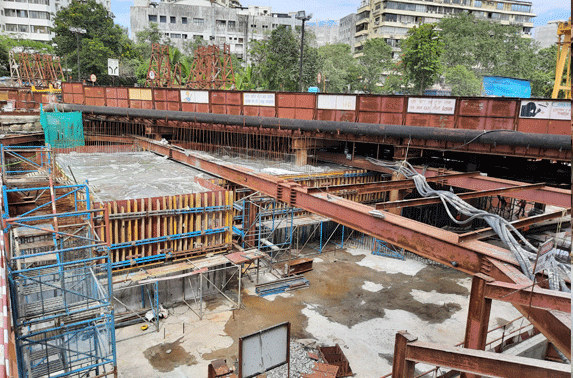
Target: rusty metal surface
481,362
546,195
476,194
335,356
524,296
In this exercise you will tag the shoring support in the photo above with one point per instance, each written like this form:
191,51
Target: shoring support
478,317
409,351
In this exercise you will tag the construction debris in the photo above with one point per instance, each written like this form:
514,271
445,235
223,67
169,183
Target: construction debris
299,266
335,356
282,285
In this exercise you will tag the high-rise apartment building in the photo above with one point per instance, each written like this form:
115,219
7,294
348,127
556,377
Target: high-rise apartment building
216,22
391,19
347,29
32,19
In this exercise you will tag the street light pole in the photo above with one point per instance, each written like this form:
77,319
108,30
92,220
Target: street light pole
301,15
77,32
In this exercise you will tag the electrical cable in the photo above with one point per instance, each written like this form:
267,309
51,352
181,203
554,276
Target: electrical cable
524,252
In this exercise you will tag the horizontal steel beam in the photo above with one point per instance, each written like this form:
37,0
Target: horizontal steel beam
22,139
546,195
519,224
510,138
384,186
518,294
464,196
482,362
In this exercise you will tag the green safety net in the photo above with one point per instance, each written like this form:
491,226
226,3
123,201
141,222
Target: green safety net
63,130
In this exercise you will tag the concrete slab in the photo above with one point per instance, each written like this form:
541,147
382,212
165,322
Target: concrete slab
130,175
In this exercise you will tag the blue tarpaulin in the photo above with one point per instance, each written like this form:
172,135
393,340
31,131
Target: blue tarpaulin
506,87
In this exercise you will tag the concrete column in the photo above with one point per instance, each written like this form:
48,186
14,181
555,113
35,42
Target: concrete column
478,317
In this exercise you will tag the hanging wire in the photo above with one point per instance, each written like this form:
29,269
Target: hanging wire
511,237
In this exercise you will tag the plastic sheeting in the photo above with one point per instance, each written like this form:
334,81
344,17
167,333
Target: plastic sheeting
63,130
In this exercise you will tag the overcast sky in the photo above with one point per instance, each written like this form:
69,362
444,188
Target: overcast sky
546,10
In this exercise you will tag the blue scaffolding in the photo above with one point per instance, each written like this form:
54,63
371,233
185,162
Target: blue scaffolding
59,274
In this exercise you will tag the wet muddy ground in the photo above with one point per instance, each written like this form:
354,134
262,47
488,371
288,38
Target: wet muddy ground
355,299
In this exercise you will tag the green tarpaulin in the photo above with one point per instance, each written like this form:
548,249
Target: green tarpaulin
63,130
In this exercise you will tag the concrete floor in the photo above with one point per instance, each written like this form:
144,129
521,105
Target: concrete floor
355,299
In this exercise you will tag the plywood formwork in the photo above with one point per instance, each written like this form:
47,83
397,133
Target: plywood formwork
148,230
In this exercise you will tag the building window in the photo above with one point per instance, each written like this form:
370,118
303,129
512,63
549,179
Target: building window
172,20
231,24
175,35
520,8
500,6
240,40
477,3
17,28
198,21
152,18
16,13
43,2
39,29
163,19
184,36
221,23
40,15
184,20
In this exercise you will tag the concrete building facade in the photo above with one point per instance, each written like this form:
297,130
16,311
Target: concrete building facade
391,20
326,32
32,19
187,20
347,29
546,35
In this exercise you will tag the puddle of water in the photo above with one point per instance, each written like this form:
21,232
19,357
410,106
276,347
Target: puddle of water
166,357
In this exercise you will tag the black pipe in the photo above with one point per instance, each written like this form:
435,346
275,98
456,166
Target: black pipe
499,137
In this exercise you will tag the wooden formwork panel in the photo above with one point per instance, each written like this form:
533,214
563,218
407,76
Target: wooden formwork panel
133,220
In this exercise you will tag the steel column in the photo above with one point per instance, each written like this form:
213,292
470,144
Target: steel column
478,317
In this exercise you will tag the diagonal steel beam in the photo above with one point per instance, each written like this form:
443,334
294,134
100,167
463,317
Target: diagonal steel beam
464,196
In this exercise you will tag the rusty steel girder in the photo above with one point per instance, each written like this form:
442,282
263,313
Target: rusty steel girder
408,351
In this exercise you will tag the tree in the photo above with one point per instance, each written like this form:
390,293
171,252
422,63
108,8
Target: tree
543,76
375,60
462,81
338,67
395,84
103,39
421,51
485,47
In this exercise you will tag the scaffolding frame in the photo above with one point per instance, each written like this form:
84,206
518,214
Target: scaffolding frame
59,273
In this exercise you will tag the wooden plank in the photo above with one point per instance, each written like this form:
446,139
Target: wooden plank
130,251
186,221
122,232
115,231
198,221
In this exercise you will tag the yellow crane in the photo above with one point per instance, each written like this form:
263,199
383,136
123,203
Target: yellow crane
563,58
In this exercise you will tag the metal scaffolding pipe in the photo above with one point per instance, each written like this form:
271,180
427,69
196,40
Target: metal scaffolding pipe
502,137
